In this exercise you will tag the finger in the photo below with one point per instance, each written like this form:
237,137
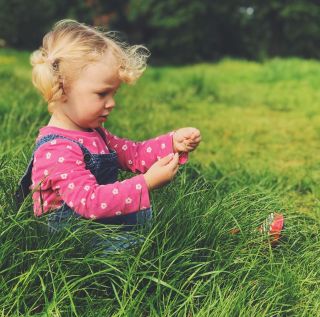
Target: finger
196,138
197,134
190,136
175,160
174,172
191,148
191,144
194,131
165,160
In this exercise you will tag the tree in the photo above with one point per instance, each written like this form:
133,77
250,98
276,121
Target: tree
183,31
24,22
283,28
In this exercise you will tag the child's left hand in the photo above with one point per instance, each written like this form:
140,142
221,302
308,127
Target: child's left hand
186,139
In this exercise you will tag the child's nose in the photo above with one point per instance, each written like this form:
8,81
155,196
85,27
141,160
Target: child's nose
110,104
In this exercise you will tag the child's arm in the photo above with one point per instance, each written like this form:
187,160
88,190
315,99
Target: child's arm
63,176
140,156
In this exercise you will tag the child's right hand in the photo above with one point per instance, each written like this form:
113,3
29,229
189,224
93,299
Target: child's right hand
162,171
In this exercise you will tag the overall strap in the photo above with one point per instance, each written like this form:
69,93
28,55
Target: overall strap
51,137
25,182
24,185
103,135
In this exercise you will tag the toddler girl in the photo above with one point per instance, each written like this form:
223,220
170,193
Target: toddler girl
74,166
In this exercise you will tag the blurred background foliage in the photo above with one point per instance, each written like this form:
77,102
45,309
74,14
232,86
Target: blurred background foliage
178,31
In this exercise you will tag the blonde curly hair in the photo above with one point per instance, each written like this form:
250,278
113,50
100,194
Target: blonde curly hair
69,47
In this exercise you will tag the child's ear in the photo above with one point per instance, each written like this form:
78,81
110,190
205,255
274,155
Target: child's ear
63,87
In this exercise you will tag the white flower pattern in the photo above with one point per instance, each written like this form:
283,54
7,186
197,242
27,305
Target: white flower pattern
128,200
71,186
103,206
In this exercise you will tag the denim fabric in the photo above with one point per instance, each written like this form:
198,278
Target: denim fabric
105,169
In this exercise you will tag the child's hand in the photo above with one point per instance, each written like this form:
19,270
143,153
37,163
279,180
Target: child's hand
186,139
162,171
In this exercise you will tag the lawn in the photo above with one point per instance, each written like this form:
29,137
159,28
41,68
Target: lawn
260,124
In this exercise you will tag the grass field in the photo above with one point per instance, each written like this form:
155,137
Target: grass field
260,124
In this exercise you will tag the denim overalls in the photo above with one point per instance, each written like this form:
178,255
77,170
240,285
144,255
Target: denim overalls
105,169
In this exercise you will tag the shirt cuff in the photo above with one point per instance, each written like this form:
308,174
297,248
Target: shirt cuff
183,156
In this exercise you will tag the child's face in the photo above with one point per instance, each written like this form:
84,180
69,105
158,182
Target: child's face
90,98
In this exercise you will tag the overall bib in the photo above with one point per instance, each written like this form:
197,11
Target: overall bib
105,169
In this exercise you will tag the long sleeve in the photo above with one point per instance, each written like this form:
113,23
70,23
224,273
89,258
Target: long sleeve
60,172
139,156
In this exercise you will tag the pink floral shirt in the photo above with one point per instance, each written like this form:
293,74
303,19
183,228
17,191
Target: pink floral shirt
59,172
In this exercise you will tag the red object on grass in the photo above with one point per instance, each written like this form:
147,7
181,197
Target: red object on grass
273,226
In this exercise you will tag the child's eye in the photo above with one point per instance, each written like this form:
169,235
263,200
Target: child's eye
103,94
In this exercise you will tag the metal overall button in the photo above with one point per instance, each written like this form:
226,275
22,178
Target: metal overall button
87,158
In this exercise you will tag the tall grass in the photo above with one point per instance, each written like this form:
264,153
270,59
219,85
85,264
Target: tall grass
189,263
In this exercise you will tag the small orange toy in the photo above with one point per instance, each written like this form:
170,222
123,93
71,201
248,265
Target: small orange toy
272,226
